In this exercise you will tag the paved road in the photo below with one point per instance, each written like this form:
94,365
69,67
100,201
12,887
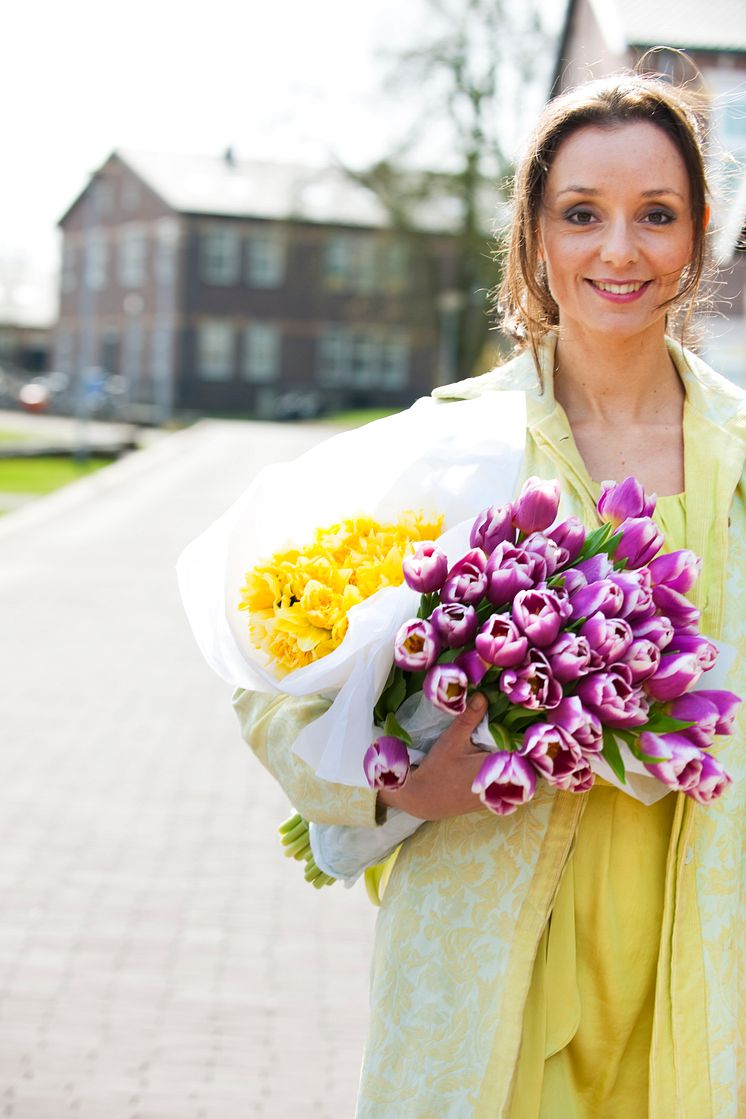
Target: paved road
159,958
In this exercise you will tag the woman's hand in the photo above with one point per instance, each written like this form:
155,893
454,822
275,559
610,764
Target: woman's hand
441,785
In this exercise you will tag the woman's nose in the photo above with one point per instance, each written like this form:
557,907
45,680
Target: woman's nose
619,245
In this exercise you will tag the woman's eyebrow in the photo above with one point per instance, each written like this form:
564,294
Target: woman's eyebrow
577,189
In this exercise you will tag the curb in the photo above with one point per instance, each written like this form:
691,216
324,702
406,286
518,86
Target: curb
75,493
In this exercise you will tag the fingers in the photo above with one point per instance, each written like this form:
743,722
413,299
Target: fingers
464,724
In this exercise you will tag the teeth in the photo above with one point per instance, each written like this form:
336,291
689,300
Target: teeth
619,289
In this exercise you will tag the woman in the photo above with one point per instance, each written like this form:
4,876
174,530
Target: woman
579,958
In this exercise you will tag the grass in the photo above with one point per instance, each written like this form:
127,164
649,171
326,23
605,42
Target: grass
15,436
358,416
42,475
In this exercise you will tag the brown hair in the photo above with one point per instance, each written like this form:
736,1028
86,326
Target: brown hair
527,307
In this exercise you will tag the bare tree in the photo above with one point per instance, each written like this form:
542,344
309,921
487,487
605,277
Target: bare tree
466,81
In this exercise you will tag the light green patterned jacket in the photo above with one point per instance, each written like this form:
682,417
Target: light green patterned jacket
469,897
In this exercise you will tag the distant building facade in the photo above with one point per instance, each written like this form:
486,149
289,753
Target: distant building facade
226,286
601,36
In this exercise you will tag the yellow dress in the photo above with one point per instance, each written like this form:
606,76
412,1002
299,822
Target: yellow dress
588,1021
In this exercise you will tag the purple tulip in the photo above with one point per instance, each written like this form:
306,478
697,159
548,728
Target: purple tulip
569,657
678,673
677,570
536,506
574,579
682,614
596,567
680,766
539,544
499,642
569,536
609,637
713,781
705,651
637,591
426,570
466,581
603,596
727,705
643,658
612,696
492,527
641,540
473,665
446,686
540,614
584,726
701,713
552,752
531,683
454,623
386,763
621,500
511,569
657,629
416,646
505,782
583,778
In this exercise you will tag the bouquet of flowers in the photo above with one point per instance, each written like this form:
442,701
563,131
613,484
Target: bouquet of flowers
583,643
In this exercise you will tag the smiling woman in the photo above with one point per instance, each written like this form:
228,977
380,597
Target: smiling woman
584,955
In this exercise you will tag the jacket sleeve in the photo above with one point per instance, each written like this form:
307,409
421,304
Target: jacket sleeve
270,725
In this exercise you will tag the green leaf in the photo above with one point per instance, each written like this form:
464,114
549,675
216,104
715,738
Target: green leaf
660,723
448,656
501,736
393,727
613,756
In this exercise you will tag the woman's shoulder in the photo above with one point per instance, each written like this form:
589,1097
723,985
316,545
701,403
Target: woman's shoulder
719,398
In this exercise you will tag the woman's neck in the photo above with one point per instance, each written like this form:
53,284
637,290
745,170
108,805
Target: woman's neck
618,382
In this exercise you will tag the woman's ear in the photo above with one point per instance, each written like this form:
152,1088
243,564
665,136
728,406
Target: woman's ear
707,216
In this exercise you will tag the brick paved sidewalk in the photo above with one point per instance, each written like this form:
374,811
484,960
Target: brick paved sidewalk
159,959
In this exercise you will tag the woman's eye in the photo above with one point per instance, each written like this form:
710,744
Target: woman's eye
659,217
580,217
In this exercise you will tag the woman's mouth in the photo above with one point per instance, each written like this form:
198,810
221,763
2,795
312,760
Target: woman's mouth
620,291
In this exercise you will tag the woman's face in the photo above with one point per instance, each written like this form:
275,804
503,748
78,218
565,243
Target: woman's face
615,229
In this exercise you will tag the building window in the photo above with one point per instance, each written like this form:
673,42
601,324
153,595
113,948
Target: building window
363,358
221,255
69,278
96,261
132,256
333,356
395,361
261,355
364,264
350,263
166,248
265,261
215,351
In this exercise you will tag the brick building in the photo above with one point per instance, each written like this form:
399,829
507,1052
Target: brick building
212,284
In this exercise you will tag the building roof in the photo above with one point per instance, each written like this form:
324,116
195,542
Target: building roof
226,186
718,26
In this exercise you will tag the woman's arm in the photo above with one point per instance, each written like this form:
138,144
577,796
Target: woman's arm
270,724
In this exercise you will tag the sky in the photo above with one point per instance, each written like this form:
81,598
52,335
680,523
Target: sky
294,79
